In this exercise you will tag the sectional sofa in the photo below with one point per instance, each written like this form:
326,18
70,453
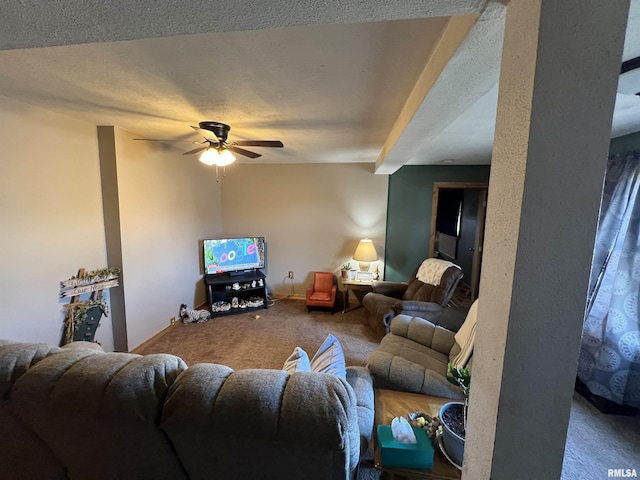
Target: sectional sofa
78,412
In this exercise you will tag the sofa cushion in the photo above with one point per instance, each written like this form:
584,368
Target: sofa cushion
330,358
23,446
414,352
301,422
397,373
320,296
414,286
92,407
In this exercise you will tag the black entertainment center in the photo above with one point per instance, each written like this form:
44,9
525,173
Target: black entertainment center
233,279
232,293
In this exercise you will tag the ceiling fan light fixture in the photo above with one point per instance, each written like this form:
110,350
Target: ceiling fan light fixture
225,157
211,156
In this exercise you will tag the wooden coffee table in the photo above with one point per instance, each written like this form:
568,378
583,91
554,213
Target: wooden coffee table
390,404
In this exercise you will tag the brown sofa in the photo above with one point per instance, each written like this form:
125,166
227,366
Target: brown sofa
78,412
414,298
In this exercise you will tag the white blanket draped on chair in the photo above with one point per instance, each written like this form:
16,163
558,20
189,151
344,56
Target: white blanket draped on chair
466,336
432,269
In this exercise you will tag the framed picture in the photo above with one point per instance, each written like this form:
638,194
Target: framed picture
364,276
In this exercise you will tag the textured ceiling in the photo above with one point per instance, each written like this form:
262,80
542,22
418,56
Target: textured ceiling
349,81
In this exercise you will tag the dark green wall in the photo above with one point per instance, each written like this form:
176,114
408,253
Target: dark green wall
625,144
409,212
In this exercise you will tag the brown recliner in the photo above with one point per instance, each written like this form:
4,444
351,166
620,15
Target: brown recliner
414,356
414,298
322,292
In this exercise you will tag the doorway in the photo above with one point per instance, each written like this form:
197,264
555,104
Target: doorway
457,227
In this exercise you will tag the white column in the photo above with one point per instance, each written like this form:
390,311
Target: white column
560,64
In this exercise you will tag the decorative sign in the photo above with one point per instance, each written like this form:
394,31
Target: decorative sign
89,282
81,281
88,288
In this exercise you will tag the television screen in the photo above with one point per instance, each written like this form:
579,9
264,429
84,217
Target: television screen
233,254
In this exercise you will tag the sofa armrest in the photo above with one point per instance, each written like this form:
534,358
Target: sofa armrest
362,384
423,332
390,289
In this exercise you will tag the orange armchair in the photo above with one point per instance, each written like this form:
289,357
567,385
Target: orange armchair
322,292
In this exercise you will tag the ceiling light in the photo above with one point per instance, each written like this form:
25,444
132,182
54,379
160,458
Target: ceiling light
225,157
211,156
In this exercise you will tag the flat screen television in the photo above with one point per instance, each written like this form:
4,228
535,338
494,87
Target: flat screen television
228,255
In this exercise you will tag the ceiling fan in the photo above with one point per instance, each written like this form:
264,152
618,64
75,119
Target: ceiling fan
216,149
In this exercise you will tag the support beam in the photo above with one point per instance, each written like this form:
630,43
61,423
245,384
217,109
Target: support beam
113,236
560,63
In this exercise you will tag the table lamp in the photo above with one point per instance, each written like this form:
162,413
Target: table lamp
365,254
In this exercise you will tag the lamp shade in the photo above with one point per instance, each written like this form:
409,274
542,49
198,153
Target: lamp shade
365,254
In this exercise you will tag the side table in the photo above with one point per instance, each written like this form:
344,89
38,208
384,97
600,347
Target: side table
355,286
390,404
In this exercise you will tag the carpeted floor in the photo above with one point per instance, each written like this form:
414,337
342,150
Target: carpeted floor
245,341
595,443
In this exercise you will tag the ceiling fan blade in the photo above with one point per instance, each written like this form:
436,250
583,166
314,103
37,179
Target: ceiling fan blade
207,135
195,150
242,151
170,141
259,143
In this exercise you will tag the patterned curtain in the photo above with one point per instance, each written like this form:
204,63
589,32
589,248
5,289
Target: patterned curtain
609,362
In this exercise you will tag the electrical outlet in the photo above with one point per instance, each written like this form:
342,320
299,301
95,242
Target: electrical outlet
291,274
172,321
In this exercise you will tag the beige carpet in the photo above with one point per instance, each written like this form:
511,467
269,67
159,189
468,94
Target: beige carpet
244,341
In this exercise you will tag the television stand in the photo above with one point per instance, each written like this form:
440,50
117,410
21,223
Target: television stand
236,292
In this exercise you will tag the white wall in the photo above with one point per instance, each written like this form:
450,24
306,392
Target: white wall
52,221
51,211
312,216
168,204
